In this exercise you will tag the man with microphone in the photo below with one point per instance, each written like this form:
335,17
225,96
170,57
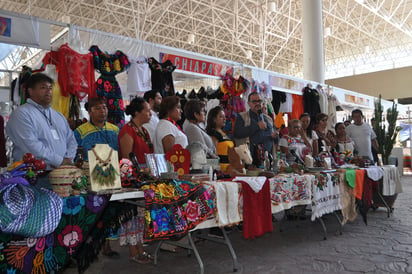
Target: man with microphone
256,127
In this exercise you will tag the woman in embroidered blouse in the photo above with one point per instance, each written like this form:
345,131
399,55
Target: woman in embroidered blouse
343,142
294,140
326,137
168,132
216,120
195,114
135,138
309,133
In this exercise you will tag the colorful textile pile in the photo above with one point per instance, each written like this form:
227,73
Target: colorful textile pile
174,207
326,195
50,253
290,190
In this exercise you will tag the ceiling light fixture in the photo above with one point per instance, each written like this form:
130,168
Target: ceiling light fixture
327,32
191,38
249,54
272,7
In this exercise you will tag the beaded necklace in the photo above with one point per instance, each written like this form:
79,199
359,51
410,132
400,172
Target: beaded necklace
144,135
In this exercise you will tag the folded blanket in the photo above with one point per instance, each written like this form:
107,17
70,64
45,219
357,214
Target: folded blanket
375,173
256,183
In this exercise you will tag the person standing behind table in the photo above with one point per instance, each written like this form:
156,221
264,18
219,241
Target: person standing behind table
37,128
97,130
154,98
168,132
343,142
256,126
195,113
135,138
362,134
216,120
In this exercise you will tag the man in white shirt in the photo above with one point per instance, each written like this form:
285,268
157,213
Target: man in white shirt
154,98
362,134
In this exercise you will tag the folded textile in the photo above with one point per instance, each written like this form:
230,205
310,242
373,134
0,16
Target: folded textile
227,203
360,179
375,173
391,181
256,183
348,201
350,176
257,214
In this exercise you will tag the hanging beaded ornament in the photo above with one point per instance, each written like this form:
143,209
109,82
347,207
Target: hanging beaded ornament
104,173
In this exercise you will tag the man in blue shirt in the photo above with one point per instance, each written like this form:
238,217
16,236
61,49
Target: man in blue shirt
97,130
37,128
255,126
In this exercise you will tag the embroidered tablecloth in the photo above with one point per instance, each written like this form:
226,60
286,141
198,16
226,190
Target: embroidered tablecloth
50,253
289,190
326,195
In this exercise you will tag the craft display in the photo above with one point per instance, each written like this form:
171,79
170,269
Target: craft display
104,170
29,168
180,158
62,178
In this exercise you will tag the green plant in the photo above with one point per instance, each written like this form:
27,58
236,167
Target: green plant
386,137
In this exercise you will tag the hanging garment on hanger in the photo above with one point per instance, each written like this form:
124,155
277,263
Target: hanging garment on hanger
332,119
76,71
311,103
59,102
278,98
138,76
162,78
286,106
109,65
297,107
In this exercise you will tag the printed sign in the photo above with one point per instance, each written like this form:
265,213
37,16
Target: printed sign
197,66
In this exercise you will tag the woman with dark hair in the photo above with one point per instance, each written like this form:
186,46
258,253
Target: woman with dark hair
133,136
309,133
195,113
168,132
326,137
216,120
343,142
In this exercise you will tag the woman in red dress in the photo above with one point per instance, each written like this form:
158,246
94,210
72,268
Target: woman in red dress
135,138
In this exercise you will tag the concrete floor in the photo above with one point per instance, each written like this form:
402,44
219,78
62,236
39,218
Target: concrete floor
383,246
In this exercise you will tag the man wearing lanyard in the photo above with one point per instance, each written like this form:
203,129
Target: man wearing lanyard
38,129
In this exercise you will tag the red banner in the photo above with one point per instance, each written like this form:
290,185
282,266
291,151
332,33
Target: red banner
197,66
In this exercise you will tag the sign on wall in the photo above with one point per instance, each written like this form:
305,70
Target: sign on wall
197,66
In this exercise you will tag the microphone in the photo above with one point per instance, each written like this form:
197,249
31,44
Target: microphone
133,158
293,152
260,113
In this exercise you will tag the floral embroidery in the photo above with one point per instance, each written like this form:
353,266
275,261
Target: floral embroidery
73,205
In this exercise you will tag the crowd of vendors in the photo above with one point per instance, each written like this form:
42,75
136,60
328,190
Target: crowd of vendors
156,126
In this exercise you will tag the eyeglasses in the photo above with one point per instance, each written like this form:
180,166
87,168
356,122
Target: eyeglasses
256,101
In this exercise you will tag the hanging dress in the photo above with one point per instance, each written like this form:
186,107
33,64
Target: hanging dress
107,86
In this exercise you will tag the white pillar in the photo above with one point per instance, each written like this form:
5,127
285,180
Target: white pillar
312,35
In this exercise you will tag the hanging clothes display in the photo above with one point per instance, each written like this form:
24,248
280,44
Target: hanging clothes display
162,78
232,102
59,103
311,103
297,107
278,97
107,86
332,119
286,106
18,87
75,71
138,76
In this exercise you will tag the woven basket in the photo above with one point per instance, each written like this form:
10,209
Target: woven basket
61,179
